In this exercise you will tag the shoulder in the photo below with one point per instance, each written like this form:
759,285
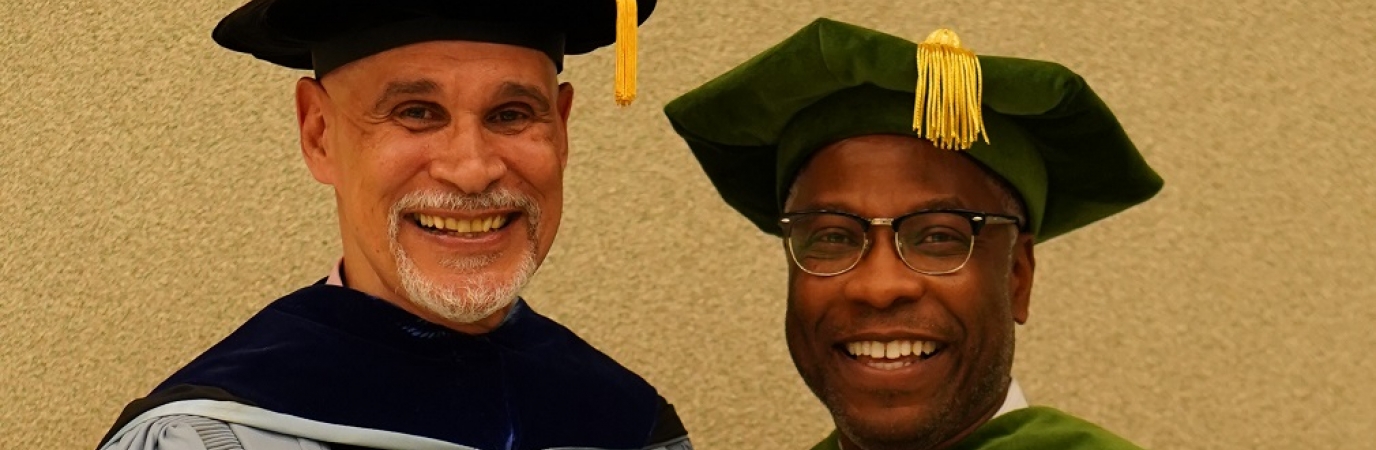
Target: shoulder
587,376
668,432
1043,427
191,432
547,342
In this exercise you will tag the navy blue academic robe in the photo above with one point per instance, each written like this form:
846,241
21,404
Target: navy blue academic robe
337,356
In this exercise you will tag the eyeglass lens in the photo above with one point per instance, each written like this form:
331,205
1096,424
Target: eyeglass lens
830,243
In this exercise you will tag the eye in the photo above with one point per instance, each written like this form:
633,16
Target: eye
940,237
419,115
832,239
508,116
937,241
511,118
832,236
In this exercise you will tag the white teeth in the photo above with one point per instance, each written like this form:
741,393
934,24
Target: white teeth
481,225
889,365
891,349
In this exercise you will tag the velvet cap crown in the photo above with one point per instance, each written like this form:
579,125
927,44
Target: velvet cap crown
753,128
325,34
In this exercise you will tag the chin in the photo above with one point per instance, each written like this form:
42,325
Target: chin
886,424
887,421
464,289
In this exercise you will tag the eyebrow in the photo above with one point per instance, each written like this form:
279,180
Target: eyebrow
948,202
406,87
530,92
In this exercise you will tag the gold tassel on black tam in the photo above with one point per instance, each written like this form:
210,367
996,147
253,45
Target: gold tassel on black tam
626,21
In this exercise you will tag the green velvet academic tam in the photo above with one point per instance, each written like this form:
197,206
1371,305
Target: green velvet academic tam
753,128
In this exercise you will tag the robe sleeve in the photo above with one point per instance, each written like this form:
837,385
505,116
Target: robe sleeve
668,433
187,432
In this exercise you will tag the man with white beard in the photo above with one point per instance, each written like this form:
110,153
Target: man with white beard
441,128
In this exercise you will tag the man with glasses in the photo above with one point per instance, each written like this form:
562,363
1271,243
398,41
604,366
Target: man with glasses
909,184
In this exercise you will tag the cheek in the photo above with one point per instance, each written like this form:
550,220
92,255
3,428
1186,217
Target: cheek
535,167
541,175
795,322
541,166
982,302
808,301
538,162
377,171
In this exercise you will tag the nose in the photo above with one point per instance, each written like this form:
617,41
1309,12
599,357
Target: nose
468,160
880,279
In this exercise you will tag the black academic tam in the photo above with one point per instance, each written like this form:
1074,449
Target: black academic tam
325,34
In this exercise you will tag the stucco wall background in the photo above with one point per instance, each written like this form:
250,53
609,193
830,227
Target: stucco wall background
153,198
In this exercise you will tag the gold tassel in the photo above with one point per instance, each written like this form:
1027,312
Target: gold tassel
950,89
626,22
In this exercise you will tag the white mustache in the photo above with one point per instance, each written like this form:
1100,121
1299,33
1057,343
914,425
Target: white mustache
496,199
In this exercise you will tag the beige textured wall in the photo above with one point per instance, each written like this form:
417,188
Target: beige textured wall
153,198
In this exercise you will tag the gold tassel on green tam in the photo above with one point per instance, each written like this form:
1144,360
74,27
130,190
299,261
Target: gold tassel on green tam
949,91
625,51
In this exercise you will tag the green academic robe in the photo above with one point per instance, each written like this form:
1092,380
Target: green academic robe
1033,428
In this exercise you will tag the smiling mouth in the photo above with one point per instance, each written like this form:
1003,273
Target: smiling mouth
474,227
890,355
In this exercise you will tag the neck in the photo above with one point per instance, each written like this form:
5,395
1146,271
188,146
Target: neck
844,442
354,270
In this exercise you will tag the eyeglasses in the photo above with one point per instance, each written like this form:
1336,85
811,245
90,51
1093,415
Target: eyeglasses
933,242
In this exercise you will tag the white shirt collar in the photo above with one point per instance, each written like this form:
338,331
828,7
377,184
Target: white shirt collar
1014,401
336,277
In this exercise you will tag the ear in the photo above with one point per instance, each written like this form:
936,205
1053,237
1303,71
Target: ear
565,105
1024,264
565,102
311,104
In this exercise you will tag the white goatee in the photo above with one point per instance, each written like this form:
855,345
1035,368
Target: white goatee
482,292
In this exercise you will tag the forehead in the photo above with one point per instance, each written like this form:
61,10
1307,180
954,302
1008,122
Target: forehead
889,175
464,63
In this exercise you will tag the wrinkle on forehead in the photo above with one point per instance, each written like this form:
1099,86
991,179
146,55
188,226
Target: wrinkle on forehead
449,63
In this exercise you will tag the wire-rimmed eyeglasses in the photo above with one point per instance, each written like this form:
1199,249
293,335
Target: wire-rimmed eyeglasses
934,242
